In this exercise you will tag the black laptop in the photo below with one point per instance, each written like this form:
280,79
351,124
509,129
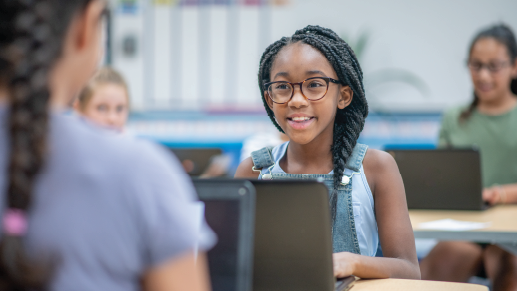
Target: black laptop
293,241
230,212
195,161
443,179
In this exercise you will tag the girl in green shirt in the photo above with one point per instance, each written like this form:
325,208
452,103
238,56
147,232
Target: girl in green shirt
490,124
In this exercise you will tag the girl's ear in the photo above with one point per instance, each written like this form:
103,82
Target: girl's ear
345,97
76,105
268,100
514,70
87,27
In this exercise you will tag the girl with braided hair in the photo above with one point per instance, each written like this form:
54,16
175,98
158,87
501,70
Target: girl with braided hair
81,210
312,89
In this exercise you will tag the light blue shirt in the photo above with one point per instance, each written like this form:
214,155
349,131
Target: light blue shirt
109,207
362,202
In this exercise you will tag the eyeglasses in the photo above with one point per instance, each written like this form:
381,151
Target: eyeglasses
312,89
493,67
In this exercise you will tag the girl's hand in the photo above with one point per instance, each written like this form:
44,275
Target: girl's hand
344,264
490,195
494,195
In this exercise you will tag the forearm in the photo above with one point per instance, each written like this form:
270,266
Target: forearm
509,194
181,273
377,267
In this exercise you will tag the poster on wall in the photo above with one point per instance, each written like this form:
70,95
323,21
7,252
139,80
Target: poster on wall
165,2
219,2
265,2
280,2
128,6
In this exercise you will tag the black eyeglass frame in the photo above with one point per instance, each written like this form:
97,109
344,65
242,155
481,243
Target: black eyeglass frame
327,80
499,65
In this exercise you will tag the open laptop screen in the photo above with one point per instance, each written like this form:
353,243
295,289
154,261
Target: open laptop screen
442,179
223,217
230,212
293,240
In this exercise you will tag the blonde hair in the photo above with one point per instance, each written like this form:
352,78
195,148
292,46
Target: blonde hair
105,75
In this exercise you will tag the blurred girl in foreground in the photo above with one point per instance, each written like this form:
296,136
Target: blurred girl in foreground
490,124
81,210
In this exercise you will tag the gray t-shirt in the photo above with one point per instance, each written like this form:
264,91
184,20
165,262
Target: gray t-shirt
109,206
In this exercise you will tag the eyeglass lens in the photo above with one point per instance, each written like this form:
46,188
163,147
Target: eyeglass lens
312,89
493,67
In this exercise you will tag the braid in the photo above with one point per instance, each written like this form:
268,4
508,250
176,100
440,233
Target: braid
349,122
266,62
28,50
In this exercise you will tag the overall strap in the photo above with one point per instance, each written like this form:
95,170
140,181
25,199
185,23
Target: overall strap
262,158
356,159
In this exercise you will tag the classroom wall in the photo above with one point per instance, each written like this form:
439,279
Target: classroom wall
205,57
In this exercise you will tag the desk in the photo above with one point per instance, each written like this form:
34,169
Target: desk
410,285
502,231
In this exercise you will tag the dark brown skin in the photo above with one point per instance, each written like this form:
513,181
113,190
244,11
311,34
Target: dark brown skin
309,153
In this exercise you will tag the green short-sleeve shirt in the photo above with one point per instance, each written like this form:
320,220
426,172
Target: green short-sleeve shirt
494,136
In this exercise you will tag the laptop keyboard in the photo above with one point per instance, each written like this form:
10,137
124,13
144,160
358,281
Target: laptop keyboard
344,284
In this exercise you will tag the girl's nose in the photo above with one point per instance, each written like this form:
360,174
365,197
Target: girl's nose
298,99
484,74
112,117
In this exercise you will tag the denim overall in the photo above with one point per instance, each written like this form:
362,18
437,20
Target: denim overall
344,236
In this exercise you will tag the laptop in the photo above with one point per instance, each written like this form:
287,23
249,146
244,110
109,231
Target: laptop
443,179
195,161
230,212
293,241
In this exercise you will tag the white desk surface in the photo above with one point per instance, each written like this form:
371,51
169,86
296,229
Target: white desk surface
502,229
503,219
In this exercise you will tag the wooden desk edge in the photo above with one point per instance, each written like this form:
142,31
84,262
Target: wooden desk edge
478,236
405,284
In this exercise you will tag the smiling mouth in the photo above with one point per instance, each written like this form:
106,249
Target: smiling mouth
484,87
300,122
300,119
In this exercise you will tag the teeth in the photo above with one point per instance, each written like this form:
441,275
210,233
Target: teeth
301,118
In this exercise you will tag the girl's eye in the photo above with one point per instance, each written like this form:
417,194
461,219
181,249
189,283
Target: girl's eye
475,65
120,108
102,108
315,84
281,87
494,67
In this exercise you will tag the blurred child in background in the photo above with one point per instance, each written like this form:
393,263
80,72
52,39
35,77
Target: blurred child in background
490,124
105,99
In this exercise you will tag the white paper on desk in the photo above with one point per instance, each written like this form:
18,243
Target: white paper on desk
453,225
